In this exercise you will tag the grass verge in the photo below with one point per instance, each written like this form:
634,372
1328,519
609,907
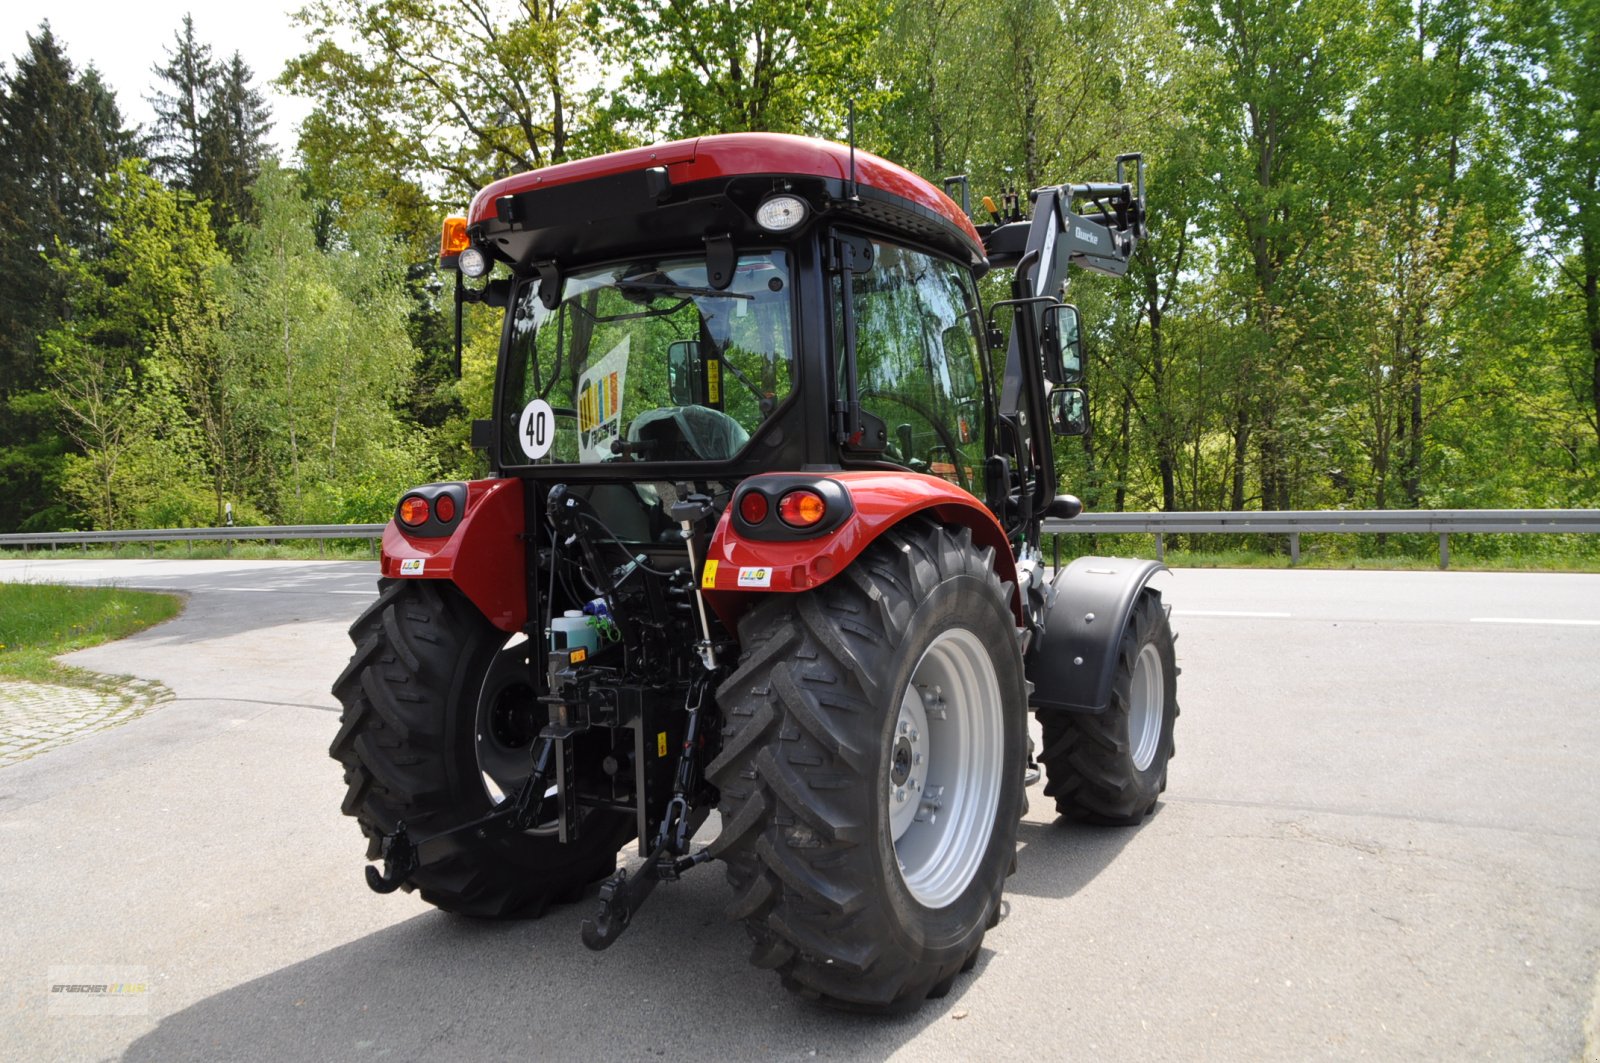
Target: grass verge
38,621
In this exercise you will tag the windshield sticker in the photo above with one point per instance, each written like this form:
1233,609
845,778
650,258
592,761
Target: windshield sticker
536,429
600,403
755,577
713,382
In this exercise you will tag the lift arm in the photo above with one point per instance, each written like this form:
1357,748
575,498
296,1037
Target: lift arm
1094,226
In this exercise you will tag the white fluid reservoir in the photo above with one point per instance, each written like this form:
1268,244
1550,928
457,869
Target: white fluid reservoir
572,631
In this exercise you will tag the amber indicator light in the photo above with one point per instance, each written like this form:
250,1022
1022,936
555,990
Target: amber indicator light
453,240
414,510
802,508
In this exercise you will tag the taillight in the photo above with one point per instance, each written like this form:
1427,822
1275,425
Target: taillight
801,508
753,507
444,508
414,510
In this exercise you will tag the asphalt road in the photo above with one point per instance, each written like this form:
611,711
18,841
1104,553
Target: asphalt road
1381,838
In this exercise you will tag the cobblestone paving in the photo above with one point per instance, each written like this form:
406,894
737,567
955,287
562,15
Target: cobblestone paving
36,718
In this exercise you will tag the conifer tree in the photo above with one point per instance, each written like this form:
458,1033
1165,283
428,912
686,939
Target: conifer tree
60,134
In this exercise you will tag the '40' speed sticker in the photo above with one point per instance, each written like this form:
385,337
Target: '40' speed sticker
536,429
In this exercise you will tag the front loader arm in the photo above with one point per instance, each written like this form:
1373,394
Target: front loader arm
1102,238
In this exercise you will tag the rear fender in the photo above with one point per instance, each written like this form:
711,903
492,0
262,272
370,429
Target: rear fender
1073,664
740,567
484,556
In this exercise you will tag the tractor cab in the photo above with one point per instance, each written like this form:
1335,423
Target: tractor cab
707,310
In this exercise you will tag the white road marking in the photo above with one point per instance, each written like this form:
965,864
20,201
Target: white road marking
1225,612
290,590
1533,620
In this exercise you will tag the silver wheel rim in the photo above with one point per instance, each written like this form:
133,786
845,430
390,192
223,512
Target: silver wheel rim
944,771
502,741
1144,706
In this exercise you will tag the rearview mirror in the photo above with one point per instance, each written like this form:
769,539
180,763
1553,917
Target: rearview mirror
1069,412
683,372
1063,345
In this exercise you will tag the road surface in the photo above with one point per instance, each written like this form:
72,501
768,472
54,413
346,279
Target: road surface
1381,838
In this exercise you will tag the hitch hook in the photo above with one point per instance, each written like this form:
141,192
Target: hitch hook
399,861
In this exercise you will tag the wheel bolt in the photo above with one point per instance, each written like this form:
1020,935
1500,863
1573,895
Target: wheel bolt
900,794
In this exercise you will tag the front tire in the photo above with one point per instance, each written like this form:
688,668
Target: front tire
436,709
871,772
1110,767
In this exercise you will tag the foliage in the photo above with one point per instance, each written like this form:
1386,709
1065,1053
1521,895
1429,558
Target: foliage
210,131
458,90
783,66
115,378
1372,279
60,133
320,354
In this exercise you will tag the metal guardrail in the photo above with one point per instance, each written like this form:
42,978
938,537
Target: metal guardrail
1295,522
277,533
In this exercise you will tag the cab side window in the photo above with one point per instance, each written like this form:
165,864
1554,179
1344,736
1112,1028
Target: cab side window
917,361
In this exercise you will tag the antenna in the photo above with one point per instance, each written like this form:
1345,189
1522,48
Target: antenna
852,187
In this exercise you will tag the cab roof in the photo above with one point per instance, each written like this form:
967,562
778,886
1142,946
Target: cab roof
883,191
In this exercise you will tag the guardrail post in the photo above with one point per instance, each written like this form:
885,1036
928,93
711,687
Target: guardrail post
1161,547
1294,548
372,548
1444,549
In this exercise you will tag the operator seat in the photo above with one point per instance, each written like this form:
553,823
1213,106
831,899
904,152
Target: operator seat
687,433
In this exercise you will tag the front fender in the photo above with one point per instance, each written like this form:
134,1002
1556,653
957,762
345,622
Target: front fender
1074,664
484,556
738,568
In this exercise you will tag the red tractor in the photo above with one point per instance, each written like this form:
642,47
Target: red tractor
761,535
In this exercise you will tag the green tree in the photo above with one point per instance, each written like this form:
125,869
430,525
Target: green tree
60,133
116,372
211,128
1554,107
784,66
1274,121
320,355
458,90
176,141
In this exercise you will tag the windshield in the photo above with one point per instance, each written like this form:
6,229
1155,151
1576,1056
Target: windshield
644,361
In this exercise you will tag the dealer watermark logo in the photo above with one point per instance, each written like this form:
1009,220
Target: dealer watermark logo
98,989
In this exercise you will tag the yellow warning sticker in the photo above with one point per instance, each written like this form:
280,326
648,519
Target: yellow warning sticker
578,656
714,381
708,578
661,744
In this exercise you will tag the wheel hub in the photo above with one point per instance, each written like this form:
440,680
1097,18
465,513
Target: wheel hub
944,768
1145,709
900,770
506,727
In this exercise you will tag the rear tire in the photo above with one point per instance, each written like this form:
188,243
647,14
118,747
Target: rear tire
1110,767
859,888
416,749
